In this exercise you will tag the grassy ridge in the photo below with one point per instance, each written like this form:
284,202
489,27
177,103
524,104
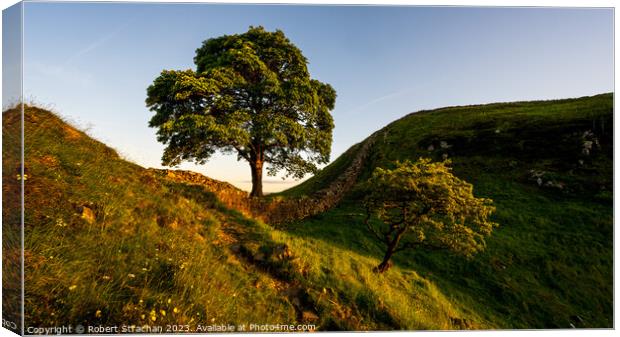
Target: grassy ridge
107,242
550,263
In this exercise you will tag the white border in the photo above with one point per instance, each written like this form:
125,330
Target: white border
478,3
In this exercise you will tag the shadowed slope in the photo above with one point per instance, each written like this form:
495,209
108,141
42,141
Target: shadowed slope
109,242
548,167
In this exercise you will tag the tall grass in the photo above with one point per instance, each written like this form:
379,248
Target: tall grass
549,264
109,243
147,256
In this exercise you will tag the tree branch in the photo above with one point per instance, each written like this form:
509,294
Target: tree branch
412,245
370,228
242,153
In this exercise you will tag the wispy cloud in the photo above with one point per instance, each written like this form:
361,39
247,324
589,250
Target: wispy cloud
66,72
96,44
380,99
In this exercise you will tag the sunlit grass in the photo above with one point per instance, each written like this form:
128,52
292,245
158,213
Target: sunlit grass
148,257
549,264
148,250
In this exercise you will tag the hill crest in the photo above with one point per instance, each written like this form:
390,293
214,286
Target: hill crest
161,237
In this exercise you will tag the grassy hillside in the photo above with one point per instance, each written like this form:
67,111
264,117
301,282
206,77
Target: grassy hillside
11,219
326,176
548,166
109,242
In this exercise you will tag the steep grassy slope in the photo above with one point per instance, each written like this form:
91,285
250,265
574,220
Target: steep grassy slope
548,166
11,219
111,243
108,243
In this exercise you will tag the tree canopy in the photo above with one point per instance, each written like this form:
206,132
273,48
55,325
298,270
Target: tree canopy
251,95
424,205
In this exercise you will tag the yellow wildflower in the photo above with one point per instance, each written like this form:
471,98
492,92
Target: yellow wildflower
98,313
71,288
175,310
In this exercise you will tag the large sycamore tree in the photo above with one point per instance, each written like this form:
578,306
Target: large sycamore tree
422,205
250,95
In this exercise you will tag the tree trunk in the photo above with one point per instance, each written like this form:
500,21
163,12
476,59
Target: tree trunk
385,264
257,178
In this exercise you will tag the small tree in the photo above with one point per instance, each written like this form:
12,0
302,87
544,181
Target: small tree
252,95
423,205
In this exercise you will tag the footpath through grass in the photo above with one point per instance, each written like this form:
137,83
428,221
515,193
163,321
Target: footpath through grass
108,242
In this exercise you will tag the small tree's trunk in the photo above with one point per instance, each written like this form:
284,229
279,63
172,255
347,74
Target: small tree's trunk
257,177
385,264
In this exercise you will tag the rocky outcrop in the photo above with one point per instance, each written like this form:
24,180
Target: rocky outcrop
277,209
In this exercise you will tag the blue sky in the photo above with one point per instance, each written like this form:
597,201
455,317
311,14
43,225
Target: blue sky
93,62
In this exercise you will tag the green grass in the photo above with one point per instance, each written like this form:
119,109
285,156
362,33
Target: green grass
156,244
11,216
150,248
549,264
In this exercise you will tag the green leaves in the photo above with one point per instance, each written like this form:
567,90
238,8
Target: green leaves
250,93
434,208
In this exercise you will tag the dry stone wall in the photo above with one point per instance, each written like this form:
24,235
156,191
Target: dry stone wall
280,210
226,193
